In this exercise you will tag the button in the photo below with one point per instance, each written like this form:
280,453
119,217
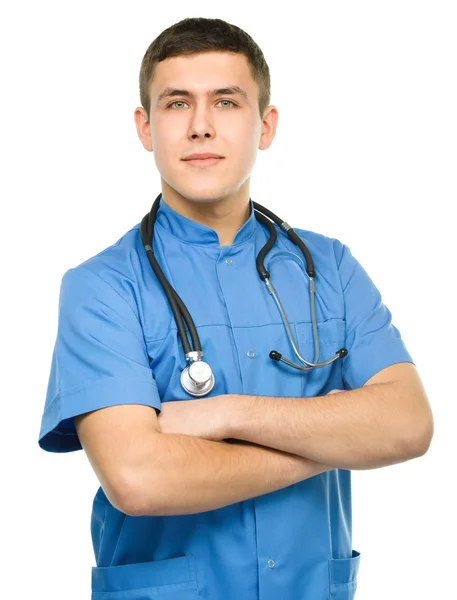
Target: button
271,563
228,261
251,354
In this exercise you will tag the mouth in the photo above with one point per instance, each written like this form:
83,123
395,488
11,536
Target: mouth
203,162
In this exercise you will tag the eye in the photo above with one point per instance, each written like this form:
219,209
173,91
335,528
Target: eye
176,102
229,101
182,102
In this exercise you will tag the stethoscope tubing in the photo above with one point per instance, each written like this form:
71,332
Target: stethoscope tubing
181,313
178,307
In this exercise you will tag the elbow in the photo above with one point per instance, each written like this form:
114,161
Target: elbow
121,496
142,480
133,506
146,496
419,444
425,441
125,498
139,496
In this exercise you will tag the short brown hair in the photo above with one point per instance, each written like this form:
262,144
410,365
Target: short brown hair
196,35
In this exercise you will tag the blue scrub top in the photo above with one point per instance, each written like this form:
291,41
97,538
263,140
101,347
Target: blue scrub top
117,343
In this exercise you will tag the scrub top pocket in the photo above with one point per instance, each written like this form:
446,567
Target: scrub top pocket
343,576
168,579
331,337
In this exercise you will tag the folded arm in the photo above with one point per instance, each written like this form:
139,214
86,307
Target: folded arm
181,474
386,421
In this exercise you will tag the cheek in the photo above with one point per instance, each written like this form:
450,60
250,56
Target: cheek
246,154
166,145
241,140
165,134
249,139
244,160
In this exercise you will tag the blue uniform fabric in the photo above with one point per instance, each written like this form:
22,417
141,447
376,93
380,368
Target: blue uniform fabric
117,343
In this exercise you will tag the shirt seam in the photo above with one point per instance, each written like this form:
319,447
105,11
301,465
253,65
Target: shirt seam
246,326
120,296
95,383
346,334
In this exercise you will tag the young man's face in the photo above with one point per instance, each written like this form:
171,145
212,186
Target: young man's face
227,124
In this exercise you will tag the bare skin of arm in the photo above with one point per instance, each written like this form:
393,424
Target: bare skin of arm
181,474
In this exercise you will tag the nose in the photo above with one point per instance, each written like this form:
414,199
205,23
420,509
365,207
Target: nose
201,124
196,135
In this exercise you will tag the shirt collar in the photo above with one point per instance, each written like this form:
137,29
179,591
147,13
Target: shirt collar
192,232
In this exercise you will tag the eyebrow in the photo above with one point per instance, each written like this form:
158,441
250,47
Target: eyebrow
229,90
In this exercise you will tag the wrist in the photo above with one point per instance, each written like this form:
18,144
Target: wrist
231,412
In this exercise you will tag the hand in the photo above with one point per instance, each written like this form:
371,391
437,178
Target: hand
203,417
335,392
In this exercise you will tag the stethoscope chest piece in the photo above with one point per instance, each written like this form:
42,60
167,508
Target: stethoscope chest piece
197,378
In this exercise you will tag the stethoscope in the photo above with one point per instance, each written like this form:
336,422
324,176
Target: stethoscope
197,378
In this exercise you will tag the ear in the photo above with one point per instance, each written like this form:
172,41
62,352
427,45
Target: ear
269,124
143,128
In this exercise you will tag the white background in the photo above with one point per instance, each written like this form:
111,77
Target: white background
365,152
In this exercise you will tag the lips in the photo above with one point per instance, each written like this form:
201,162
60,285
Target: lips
204,162
202,155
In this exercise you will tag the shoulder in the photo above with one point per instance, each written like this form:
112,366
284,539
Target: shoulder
121,256
116,267
323,246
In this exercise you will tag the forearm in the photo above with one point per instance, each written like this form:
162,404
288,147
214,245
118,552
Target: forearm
184,474
355,429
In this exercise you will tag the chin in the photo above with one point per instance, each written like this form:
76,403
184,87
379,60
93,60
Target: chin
203,199
202,195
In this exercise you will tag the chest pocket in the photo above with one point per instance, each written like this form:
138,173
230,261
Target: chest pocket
331,337
168,579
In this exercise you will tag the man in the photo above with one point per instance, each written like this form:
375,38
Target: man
269,514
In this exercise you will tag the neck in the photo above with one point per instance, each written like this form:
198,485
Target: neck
225,215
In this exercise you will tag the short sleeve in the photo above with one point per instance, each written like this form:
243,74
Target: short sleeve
372,341
99,359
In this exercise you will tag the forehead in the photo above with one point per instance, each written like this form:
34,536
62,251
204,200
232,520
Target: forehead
201,72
